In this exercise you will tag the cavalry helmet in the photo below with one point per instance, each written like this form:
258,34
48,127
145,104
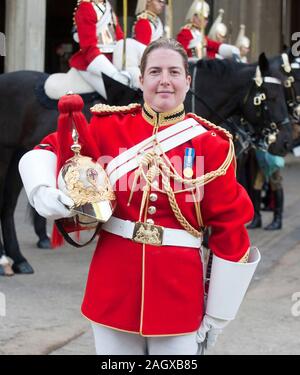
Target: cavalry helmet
200,8
218,27
242,40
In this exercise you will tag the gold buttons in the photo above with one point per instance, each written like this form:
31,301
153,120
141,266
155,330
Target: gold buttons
152,210
150,221
153,197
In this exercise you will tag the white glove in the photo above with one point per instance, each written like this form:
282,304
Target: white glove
228,50
209,330
52,203
123,77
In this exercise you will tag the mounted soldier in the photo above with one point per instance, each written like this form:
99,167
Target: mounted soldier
96,30
147,28
195,42
218,30
243,44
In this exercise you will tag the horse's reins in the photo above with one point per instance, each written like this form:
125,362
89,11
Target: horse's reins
293,98
260,102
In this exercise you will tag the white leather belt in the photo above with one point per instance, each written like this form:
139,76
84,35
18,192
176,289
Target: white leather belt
151,234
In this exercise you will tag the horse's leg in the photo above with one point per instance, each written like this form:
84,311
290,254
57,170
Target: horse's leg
40,228
5,157
13,186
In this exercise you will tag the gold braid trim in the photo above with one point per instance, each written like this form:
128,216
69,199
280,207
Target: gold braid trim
105,109
176,209
245,257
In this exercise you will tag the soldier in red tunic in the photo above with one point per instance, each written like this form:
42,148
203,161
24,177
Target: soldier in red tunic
173,174
148,26
193,39
97,30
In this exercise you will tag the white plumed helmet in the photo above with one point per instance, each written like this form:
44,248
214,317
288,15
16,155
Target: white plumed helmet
242,40
199,7
218,27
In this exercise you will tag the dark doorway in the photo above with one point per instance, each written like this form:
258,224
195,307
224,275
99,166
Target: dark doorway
2,30
295,12
59,41
118,7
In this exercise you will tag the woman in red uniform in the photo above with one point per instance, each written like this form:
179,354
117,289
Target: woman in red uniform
173,174
97,30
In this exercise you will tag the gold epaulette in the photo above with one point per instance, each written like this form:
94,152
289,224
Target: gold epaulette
211,126
188,26
146,15
105,109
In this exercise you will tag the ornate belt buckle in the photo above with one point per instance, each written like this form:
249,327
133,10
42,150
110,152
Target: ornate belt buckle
148,234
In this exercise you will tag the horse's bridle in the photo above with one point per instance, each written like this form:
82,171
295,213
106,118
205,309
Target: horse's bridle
260,102
293,97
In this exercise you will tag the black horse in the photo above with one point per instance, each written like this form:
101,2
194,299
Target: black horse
24,121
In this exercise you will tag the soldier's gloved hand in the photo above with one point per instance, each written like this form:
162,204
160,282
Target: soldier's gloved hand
209,330
123,77
52,203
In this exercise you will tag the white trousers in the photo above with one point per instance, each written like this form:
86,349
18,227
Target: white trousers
112,342
95,81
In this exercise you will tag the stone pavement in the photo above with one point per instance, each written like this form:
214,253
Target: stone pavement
42,310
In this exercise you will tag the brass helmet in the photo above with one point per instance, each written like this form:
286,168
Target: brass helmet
87,184
199,7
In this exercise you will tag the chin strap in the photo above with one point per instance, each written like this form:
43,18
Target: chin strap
60,226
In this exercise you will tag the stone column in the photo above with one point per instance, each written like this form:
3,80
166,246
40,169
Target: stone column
25,35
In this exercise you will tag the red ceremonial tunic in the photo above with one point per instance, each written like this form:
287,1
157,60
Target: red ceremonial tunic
86,19
158,290
188,33
147,28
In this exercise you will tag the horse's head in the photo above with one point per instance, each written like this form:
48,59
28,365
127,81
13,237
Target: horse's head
264,105
289,67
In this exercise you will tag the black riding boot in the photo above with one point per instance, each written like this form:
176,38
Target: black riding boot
277,220
256,199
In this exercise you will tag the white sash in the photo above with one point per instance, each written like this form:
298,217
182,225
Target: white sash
105,18
157,30
168,139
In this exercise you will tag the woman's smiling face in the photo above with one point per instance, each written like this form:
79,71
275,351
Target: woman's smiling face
164,82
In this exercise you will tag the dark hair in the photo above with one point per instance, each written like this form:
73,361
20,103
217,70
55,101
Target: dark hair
165,43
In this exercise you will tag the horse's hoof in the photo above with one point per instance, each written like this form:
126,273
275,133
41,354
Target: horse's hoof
44,244
6,270
23,268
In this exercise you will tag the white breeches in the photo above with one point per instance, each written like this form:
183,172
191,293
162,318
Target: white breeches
112,342
95,81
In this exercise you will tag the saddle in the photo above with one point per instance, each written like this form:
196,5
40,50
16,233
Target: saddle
59,84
